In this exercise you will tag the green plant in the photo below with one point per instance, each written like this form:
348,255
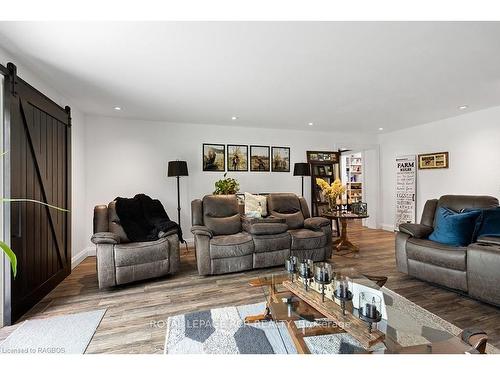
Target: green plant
6,249
226,186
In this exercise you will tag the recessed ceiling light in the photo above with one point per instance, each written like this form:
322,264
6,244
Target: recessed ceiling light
234,118
118,108
380,129
310,124
462,107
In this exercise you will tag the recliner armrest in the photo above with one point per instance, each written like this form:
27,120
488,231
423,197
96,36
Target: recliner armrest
316,223
416,230
489,240
167,233
105,238
201,230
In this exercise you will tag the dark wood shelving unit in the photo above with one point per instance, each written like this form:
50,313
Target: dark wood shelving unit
325,165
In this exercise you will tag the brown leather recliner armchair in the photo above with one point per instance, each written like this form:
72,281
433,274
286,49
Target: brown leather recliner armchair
120,261
226,242
473,270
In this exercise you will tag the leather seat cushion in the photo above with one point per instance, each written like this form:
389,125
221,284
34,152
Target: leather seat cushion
234,245
134,253
431,252
306,239
221,215
271,242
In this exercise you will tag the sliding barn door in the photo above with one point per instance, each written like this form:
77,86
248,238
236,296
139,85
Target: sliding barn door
40,151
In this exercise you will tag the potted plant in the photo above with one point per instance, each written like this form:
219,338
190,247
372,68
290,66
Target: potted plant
226,186
332,191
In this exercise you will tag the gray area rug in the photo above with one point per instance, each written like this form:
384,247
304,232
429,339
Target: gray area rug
223,331
65,334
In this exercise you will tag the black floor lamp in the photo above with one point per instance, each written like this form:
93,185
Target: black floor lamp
177,168
301,169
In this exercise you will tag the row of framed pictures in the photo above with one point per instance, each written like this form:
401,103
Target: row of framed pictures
262,158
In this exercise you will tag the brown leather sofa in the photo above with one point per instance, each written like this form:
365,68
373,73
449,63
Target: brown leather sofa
473,270
227,242
120,261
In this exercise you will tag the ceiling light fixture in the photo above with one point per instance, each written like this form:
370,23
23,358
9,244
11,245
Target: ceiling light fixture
118,108
462,107
234,118
380,129
310,124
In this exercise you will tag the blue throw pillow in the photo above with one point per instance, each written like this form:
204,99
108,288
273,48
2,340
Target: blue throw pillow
454,229
490,223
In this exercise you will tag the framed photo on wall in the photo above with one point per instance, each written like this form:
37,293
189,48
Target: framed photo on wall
214,157
437,160
259,159
237,158
280,157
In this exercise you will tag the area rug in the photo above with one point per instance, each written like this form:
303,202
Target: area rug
223,331
65,334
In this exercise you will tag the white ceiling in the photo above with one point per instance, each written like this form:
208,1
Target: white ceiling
350,76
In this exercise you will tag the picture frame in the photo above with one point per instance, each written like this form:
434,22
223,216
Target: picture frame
237,158
214,157
280,159
436,160
260,158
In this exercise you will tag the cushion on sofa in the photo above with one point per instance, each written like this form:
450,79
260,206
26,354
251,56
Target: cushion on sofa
234,245
454,229
489,225
253,202
221,214
134,253
306,239
431,252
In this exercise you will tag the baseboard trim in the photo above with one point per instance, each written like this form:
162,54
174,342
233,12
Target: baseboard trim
80,257
388,227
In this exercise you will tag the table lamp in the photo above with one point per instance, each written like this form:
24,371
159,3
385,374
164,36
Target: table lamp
176,169
301,169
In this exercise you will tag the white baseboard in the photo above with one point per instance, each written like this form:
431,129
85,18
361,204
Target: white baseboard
80,257
388,227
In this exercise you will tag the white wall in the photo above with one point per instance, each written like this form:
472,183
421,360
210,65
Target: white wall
126,157
473,141
79,238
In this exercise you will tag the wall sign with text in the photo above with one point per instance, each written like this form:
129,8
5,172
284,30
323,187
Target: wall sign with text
406,184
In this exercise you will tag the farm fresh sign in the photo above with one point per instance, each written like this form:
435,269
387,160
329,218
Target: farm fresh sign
406,183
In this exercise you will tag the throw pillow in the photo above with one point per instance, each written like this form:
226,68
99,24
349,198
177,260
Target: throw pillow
490,223
453,228
253,202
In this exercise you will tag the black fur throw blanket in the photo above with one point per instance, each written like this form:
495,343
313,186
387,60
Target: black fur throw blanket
143,218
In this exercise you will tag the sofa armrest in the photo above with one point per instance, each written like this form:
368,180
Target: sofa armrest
202,231
416,230
167,233
489,240
105,238
316,223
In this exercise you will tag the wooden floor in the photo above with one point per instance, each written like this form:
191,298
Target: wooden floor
135,316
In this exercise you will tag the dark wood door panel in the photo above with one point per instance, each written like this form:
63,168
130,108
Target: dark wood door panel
40,170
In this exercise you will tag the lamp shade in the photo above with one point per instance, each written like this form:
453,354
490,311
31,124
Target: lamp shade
301,169
177,168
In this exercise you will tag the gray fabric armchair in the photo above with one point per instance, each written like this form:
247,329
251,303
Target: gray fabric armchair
471,270
120,261
225,242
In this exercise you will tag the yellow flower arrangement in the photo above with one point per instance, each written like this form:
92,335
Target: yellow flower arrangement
331,191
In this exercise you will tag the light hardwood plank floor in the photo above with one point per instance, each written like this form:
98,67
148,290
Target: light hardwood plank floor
135,316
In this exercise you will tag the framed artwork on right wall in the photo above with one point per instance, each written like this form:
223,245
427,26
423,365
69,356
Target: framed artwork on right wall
436,160
259,159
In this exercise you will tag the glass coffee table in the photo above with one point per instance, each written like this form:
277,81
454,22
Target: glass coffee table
403,328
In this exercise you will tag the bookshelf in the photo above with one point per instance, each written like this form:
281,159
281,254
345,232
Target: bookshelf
354,176
325,165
